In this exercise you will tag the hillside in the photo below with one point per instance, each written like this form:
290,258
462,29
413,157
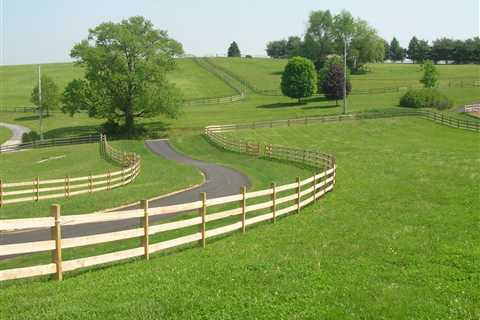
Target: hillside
17,81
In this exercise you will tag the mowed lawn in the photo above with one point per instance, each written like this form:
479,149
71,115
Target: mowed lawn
18,81
397,238
265,74
5,134
158,176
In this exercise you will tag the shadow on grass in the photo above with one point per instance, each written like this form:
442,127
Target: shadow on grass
281,105
72,131
304,103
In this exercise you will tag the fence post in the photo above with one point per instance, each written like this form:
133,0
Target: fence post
145,224
314,187
243,205
274,204
67,186
90,183
298,195
202,212
56,232
37,181
1,193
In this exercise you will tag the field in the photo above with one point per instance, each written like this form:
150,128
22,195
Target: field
4,134
18,81
397,238
265,74
394,240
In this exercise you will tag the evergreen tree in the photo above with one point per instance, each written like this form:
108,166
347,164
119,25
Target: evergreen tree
397,53
234,50
430,74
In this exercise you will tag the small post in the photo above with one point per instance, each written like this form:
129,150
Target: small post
243,205
145,224
202,212
56,232
67,186
274,200
37,182
109,178
90,183
1,193
314,187
298,195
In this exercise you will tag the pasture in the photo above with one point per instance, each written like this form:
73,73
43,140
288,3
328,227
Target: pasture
5,134
400,225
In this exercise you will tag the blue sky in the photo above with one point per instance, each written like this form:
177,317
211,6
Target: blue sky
45,31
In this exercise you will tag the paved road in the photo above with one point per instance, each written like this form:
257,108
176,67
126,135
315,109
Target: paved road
220,181
17,133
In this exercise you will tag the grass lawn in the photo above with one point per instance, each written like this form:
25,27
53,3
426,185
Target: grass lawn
17,82
5,134
265,74
398,238
158,176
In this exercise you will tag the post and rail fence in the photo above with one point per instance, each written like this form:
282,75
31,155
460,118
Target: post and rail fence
39,189
243,210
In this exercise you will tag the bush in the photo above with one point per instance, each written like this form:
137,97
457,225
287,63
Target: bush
30,136
425,98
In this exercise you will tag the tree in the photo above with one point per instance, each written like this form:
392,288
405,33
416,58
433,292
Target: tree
126,67
332,82
412,51
387,51
293,47
50,95
430,74
397,53
418,50
442,50
299,79
234,50
277,49
318,40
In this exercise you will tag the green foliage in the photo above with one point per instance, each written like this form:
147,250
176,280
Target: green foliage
50,97
277,49
397,53
126,65
425,98
234,50
430,74
299,79
418,50
30,136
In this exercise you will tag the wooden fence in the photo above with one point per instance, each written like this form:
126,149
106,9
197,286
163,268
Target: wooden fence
472,108
36,189
47,143
243,210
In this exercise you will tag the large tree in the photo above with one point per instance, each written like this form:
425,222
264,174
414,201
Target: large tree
126,64
299,79
234,50
277,49
333,82
319,38
49,98
418,50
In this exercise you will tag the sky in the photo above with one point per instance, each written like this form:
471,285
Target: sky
44,31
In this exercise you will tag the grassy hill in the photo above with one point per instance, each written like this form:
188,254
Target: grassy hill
17,82
396,239
265,74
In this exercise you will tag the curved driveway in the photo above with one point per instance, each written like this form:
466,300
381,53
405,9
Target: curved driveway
220,181
17,133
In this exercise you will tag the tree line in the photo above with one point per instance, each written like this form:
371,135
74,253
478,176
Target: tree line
443,49
326,34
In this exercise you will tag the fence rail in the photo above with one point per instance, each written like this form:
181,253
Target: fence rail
472,108
37,189
245,209
50,143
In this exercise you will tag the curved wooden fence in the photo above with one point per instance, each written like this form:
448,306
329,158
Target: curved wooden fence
36,189
235,212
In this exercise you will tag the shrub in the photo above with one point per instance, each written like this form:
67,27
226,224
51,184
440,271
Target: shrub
425,98
248,56
30,136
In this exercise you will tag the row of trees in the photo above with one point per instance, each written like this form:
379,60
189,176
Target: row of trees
326,34
444,49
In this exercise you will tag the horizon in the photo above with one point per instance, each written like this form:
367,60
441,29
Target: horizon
22,45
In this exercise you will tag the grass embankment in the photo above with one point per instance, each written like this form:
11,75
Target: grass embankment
18,81
396,239
265,74
5,134
158,176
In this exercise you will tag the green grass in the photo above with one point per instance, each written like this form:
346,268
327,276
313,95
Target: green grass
265,74
17,82
53,163
397,238
158,176
5,134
